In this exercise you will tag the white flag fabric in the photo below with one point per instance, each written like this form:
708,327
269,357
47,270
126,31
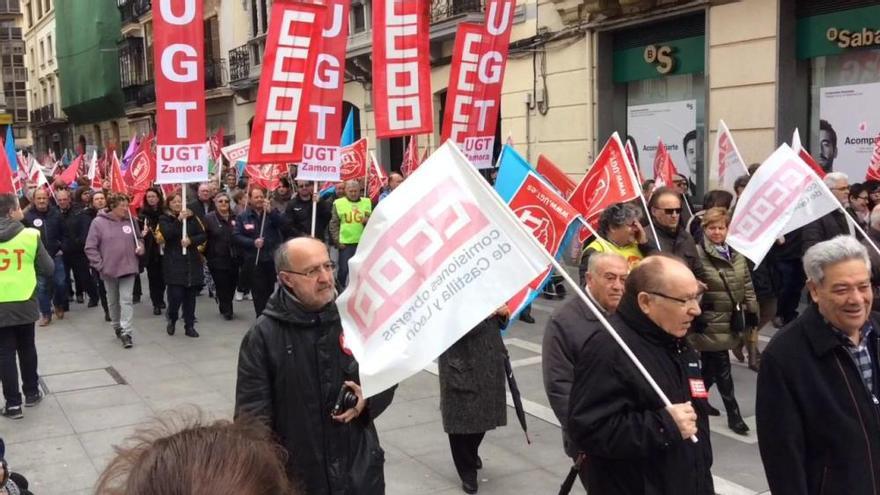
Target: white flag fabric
93,165
783,195
437,257
727,164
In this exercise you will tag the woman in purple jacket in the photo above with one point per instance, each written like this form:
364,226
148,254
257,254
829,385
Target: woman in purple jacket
113,246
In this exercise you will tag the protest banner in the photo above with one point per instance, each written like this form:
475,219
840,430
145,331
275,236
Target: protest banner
402,98
434,260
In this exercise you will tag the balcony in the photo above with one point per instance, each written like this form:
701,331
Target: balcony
46,115
139,95
132,10
239,65
443,10
215,73
8,7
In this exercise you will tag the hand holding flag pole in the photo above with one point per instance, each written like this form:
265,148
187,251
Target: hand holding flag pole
579,291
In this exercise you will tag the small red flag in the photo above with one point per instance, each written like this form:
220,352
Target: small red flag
874,166
411,157
555,176
117,182
7,185
664,168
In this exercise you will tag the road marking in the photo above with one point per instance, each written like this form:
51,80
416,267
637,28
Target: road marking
519,363
726,487
524,344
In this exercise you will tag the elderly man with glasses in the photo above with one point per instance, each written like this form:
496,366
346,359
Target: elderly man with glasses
666,209
835,223
291,367
634,443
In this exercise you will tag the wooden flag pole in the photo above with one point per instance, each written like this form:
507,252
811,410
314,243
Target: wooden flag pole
314,206
183,199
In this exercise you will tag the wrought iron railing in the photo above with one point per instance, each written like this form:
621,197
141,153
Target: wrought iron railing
442,10
239,63
132,10
43,114
215,73
140,94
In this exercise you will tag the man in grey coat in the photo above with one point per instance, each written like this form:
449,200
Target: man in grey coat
571,326
22,259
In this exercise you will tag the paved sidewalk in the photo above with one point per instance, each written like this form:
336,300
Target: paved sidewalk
100,393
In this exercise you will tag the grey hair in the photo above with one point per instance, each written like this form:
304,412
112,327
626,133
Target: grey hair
833,178
827,253
8,204
617,215
596,258
352,182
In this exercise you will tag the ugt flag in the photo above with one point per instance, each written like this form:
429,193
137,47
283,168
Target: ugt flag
664,167
541,209
609,181
555,176
783,195
435,259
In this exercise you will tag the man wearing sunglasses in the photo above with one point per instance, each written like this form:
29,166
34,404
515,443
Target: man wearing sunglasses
666,209
291,366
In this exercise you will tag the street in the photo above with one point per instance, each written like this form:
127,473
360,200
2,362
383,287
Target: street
99,393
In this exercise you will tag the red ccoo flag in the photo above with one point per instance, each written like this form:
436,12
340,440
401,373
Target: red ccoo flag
609,181
664,168
874,166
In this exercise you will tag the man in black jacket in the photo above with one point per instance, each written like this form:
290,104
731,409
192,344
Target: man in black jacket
817,404
835,223
666,209
257,241
291,366
50,290
633,442
571,326
298,213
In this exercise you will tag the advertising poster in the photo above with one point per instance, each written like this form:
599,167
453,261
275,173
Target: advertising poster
847,129
671,122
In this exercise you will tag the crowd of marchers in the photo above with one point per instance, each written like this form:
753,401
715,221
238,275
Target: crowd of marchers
673,289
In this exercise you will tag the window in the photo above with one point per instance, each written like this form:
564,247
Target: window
47,6
30,15
148,48
51,50
21,115
18,61
19,132
42,54
51,92
39,9
358,17
212,40
33,60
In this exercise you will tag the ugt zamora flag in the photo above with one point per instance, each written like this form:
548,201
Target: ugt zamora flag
784,194
541,209
435,259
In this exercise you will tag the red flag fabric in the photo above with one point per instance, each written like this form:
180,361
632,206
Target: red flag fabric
142,171
376,181
804,155
609,181
874,166
72,171
402,98
664,168
631,156
7,182
556,177
410,157
424,156
354,160
265,175
117,182
282,110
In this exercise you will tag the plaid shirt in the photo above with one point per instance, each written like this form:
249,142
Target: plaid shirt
860,354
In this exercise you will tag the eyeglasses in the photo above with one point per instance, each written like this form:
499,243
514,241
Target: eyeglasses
683,302
864,198
221,200
315,272
670,211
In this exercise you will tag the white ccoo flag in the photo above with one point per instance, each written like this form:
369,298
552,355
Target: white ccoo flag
783,195
727,164
435,259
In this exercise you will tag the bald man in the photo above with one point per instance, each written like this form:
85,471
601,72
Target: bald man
291,367
632,441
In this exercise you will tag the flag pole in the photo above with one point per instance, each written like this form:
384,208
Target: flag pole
638,187
314,206
133,230
262,226
860,229
553,261
183,199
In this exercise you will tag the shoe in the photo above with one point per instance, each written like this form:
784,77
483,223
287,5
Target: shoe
162,305
33,400
479,462
107,316
127,341
170,328
157,310
136,299
59,313
117,331
191,332
738,354
469,486
526,318
248,297
79,299
44,321
92,303
12,412
239,296
227,317
777,322
211,294
712,411
737,425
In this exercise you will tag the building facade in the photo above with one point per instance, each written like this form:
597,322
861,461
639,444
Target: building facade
13,73
48,123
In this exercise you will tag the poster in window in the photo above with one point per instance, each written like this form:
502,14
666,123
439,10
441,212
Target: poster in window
674,122
848,125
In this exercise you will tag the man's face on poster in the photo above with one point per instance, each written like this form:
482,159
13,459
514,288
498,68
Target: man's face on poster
827,150
690,154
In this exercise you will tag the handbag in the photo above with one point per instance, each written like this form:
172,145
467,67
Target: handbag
738,317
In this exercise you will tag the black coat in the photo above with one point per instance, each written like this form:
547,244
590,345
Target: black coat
152,253
818,427
679,243
472,377
178,268
825,228
221,252
632,443
298,218
568,329
290,368
68,224
51,227
79,230
247,230
200,209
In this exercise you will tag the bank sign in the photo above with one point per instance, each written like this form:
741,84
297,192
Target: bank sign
838,32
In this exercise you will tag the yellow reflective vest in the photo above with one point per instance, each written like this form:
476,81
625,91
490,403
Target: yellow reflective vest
18,276
351,218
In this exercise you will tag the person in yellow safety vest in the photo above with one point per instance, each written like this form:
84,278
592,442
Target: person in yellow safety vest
349,216
619,232
22,259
